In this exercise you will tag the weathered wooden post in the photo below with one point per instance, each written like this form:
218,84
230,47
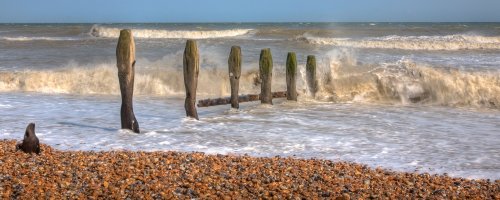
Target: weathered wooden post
312,83
266,74
234,63
291,73
191,64
125,61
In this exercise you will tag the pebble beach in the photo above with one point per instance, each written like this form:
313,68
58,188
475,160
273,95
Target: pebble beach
56,174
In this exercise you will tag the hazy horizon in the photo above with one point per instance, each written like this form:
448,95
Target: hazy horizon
325,22
259,11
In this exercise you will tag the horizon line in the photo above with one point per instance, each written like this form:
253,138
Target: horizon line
249,22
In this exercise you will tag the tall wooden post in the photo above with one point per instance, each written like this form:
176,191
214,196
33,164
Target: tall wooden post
125,61
291,73
266,74
312,82
234,63
191,64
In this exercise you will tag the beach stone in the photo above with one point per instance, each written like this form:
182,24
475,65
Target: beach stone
129,175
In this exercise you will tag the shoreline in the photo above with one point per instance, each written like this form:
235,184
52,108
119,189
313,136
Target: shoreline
165,175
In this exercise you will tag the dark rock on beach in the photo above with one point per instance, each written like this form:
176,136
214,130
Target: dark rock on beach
30,143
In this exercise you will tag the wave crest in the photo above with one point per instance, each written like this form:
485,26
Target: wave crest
341,78
22,38
102,79
344,79
108,32
449,42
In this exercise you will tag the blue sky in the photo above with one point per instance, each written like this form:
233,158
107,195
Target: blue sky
103,11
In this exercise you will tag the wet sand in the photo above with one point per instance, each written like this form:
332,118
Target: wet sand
56,174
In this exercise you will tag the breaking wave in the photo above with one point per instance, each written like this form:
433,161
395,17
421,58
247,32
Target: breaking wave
341,78
157,78
108,32
448,42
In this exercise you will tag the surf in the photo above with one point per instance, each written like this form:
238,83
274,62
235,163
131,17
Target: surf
341,79
447,42
109,32
24,38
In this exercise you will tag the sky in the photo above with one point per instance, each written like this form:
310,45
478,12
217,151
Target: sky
122,11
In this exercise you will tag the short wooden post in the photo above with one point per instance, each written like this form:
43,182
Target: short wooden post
234,63
312,82
291,73
191,65
125,61
266,74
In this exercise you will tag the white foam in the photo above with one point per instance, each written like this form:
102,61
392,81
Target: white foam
108,32
343,79
5,106
22,38
448,42
164,143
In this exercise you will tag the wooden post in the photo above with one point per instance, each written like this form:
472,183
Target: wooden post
291,73
266,74
125,61
191,64
234,63
312,83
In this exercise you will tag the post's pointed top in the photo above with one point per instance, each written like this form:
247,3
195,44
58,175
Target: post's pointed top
125,34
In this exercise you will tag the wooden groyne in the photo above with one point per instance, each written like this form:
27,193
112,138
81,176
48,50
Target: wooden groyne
265,75
125,55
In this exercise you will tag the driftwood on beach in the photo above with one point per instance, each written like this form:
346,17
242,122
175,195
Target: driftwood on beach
241,99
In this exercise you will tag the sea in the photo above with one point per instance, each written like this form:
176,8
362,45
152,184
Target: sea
409,97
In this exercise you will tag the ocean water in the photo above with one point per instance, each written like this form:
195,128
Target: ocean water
405,96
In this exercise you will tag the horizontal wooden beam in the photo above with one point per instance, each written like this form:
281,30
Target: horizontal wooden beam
241,99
